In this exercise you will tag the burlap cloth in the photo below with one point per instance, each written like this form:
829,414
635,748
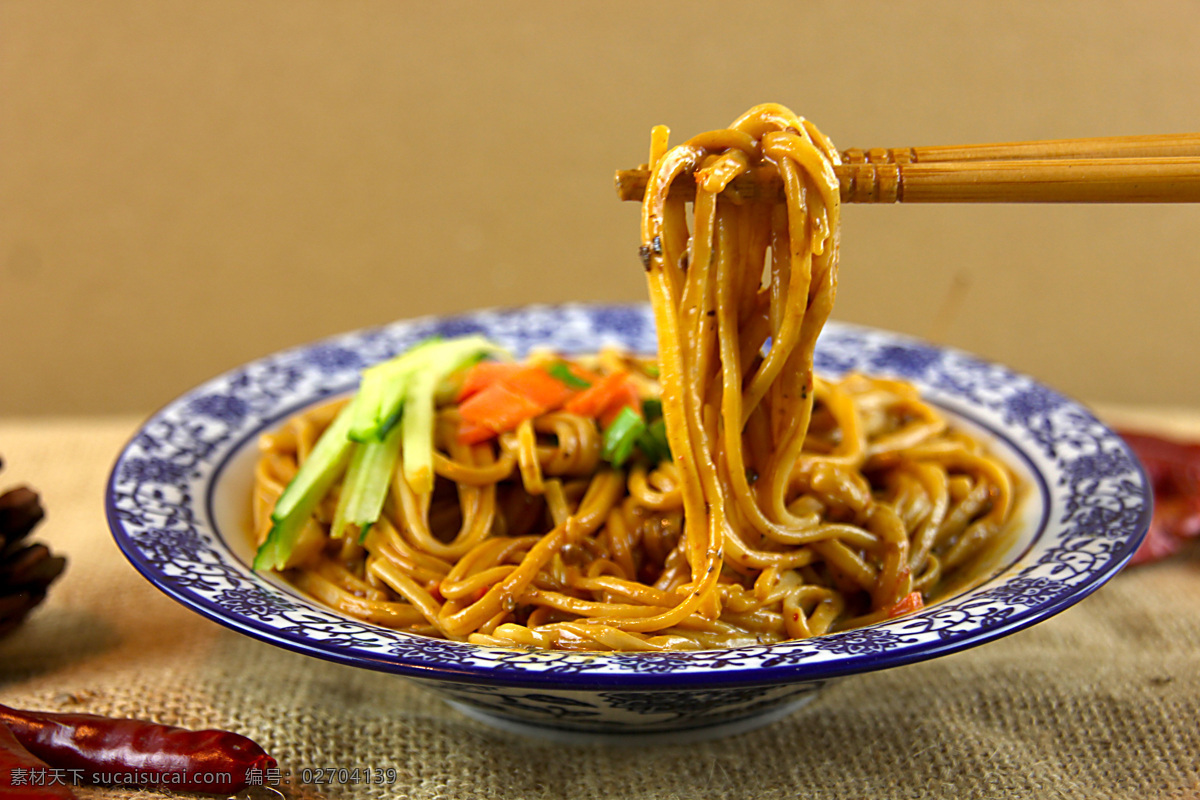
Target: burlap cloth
1101,701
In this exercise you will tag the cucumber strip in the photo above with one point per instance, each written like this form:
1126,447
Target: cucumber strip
367,404
316,475
417,428
337,528
377,405
371,420
381,393
417,422
366,484
274,552
319,471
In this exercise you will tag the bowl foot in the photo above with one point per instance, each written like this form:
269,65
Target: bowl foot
632,739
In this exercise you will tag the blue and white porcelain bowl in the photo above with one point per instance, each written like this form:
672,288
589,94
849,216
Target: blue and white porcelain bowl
178,505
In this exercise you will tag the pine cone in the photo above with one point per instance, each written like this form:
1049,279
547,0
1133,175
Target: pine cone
26,570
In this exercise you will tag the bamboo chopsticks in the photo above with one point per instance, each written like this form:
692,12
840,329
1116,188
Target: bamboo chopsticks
1123,169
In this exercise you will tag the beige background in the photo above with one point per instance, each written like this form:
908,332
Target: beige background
187,185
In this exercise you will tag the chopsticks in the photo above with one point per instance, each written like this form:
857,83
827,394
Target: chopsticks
1122,169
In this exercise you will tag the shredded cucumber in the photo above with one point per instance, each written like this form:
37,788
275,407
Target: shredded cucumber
319,470
418,433
393,410
377,405
380,397
311,483
366,485
417,420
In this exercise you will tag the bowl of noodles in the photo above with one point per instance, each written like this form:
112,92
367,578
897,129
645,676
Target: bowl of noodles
681,518
179,506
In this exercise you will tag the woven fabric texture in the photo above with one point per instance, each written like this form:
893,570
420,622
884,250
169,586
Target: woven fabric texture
1102,701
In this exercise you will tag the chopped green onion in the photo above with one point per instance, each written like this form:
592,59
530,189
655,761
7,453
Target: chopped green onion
560,370
653,441
621,436
652,409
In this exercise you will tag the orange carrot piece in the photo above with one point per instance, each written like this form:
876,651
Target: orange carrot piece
593,401
906,605
522,395
484,374
499,407
497,397
625,397
473,433
539,386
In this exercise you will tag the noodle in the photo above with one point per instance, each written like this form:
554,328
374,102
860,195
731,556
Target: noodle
791,506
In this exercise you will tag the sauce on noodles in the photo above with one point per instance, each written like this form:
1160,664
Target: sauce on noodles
790,506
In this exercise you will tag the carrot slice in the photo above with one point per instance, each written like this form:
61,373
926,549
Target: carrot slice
484,374
473,433
592,402
527,393
906,605
497,397
498,407
625,397
539,386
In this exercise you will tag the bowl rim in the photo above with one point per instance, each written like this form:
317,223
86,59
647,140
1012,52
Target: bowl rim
862,649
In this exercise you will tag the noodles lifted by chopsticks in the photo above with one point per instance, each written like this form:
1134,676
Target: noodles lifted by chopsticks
789,506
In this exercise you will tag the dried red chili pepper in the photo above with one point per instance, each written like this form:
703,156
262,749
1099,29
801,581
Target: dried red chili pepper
1174,471
130,751
23,776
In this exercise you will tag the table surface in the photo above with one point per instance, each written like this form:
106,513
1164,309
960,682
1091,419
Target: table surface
1100,701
